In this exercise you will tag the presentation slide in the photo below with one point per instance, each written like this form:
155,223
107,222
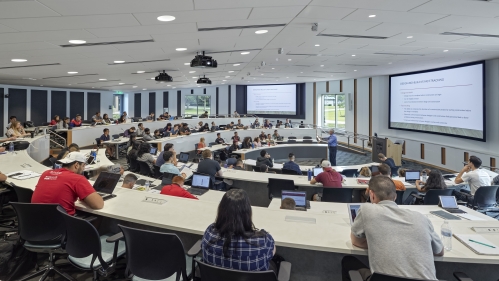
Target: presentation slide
446,101
271,99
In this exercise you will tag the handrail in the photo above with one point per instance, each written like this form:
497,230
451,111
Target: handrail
52,133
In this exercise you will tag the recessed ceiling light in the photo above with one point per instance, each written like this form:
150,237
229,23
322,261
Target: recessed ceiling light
409,37
77,41
289,59
144,89
353,55
174,87
134,86
372,16
141,71
224,80
18,60
152,78
192,71
166,18
227,76
119,61
41,85
287,77
355,70
446,51
236,64
322,65
121,83
261,74
273,68
317,45
72,72
194,77
102,79
261,31
162,82
223,83
168,85
187,63
245,53
231,71
181,49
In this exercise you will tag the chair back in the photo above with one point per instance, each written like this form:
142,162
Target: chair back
308,141
82,239
485,196
291,138
431,196
144,168
350,172
383,277
256,169
196,147
116,136
288,172
157,173
134,165
215,273
168,258
400,197
307,138
98,141
212,144
276,186
167,178
231,161
291,141
339,195
39,222
23,194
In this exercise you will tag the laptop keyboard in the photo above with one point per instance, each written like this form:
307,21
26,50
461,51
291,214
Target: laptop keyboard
197,191
455,211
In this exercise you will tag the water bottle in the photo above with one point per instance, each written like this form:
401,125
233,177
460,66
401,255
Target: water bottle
424,177
252,145
446,232
225,164
11,148
309,174
146,184
354,175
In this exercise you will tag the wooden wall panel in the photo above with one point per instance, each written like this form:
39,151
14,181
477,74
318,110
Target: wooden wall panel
466,157
422,151
355,110
492,164
442,155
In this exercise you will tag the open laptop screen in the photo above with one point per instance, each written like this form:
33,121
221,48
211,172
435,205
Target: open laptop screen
201,181
298,196
317,171
183,157
411,175
153,150
106,182
448,202
374,169
353,211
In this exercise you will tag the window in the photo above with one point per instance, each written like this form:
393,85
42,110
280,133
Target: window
333,110
197,105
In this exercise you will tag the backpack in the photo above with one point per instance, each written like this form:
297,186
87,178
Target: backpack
15,260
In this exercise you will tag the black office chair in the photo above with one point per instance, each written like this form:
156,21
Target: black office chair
308,141
338,195
289,172
212,144
134,165
215,273
145,170
395,170
23,194
291,138
461,276
355,276
291,141
276,186
432,196
485,199
256,169
168,259
116,136
89,251
157,173
231,161
42,229
307,138
167,178
400,197
350,173
98,142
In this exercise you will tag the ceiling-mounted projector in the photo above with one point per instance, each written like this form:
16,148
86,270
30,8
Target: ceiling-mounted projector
203,61
163,77
204,80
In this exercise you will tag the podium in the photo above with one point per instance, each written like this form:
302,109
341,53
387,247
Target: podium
388,148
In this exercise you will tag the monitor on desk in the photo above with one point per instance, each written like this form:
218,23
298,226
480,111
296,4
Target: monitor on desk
300,197
183,157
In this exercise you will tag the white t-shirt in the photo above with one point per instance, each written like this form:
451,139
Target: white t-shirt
475,179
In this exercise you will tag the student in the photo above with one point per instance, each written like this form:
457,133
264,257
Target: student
256,124
264,159
288,124
401,172
167,130
147,135
219,139
65,151
224,241
56,120
410,255
157,134
204,115
239,165
64,186
270,140
109,148
246,143
184,130
388,161
435,181
210,167
76,122
175,130
129,181
262,135
214,127
267,124
150,117
199,125
11,119
236,137
168,166
328,177
275,135
168,147
140,130
132,157
239,124
205,128
97,118
474,177
122,120
144,155
16,130
176,189
365,172
201,144
288,204
233,147
291,165
229,126
131,140
236,115
385,170
106,119
257,142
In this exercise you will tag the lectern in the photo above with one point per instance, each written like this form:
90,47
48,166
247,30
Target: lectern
388,148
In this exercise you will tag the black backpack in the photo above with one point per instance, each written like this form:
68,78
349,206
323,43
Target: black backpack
15,260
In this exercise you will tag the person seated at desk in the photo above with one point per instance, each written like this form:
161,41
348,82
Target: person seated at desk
16,130
257,142
239,124
210,167
472,175
164,116
150,117
175,131
147,135
236,137
122,120
401,172
275,135
167,129
365,172
205,128
291,165
64,186
219,139
169,166
267,124
132,157
176,189
288,204
184,130
239,165
256,124
157,134
229,126
11,119
96,118
109,148
214,127
199,125
65,151
236,115
144,155
63,124
385,170
131,140
105,119
129,132
329,177
234,147
201,144
288,124
3,177
270,140
435,181
76,122
409,254
204,115
388,161
262,135
129,181
140,130
246,143
168,147
264,159
238,246
56,120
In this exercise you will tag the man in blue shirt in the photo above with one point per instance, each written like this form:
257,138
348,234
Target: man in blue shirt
107,137
169,167
291,165
387,161
332,145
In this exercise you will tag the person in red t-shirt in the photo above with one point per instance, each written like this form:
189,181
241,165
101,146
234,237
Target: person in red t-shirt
175,189
64,186
76,122
329,177
55,120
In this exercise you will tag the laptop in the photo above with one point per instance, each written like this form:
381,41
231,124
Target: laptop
105,184
353,211
411,176
183,157
317,171
200,184
300,198
153,150
374,169
90,160
449,204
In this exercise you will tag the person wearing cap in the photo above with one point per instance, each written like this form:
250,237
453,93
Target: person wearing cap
291,165
64,186
329,177
176,189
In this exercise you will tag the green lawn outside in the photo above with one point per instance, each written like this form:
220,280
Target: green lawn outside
330,114
193,111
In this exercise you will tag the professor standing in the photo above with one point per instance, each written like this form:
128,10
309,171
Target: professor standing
332,145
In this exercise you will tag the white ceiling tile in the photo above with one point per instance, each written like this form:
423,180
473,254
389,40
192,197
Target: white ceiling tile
467,22
143,30
334,24
90,7
275,12
330,13
394,17
390,5
199,35
427,37
460,7
194,16
225,4
64,35
477,40
4,28
214,24
26,46
24,9
396,28
70,22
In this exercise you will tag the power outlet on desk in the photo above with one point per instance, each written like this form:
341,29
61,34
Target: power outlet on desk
490,230
154,200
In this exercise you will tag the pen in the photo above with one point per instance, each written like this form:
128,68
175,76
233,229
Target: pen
481,243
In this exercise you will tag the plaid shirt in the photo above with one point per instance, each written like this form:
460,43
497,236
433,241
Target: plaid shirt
252,254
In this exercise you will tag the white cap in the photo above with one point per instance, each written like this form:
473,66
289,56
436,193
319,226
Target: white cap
73,157
326,164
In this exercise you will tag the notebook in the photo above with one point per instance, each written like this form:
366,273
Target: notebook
478,244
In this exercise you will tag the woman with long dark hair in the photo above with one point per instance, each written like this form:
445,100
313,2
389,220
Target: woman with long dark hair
435,181
144,155
233,241
246,143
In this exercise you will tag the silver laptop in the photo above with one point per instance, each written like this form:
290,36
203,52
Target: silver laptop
449,204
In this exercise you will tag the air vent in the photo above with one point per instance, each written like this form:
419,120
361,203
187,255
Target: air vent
107,43
311,76
155,71
471,34
131,62
329,71
117,85
69,76
241,27
352,36
98,82
358,64
399,54
33,65
233,51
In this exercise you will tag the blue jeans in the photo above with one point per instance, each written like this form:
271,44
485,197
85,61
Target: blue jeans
332,155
